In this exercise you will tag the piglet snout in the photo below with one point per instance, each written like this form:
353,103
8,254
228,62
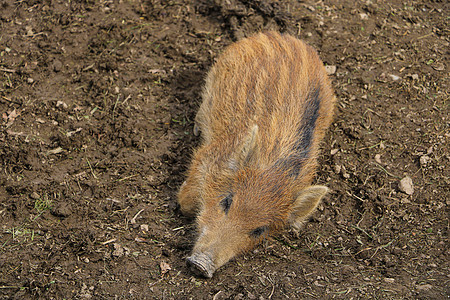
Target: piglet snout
201,264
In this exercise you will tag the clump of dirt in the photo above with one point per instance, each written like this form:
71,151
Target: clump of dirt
97,101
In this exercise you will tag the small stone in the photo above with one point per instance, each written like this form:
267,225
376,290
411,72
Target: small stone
55,151
330,69
334,151
61,209
61,104
415,76
363,16
34,196
424,160
29,30
57,65
30,80
378,158
406,185
424,287
394,77
144,227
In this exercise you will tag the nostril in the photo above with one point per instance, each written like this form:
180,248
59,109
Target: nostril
200,265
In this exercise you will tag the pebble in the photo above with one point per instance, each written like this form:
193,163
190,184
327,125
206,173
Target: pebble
34,196
60,103
363,16
394,77
334,151
378,158
424,287
406,185
330,69
424,160
57,65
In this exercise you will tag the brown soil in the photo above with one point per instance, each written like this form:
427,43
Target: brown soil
97,100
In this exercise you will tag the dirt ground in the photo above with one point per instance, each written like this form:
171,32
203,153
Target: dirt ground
97,100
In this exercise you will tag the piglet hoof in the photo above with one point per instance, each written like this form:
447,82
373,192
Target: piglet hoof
201,265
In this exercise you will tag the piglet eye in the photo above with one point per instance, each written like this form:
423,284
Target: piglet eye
258,231
226,203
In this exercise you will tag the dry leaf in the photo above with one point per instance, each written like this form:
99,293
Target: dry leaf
11,117
165,267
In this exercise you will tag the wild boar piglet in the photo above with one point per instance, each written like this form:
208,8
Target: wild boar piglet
267,103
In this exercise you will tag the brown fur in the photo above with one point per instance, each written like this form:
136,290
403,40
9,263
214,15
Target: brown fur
266,105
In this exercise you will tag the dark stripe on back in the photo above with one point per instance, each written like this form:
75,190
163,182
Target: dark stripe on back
308,123
302,147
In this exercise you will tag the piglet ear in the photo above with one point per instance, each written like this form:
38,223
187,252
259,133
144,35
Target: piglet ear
246,150
305,204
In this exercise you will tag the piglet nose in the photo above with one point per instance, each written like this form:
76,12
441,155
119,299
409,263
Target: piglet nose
201,264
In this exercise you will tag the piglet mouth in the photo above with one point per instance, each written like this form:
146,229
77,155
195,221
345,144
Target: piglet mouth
201,264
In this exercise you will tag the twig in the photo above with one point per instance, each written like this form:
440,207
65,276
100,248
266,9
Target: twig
135,216
424,36
115,105
7,70
390,174
127,177
109,241
92,170
359,228
360,199
381,247
11,101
